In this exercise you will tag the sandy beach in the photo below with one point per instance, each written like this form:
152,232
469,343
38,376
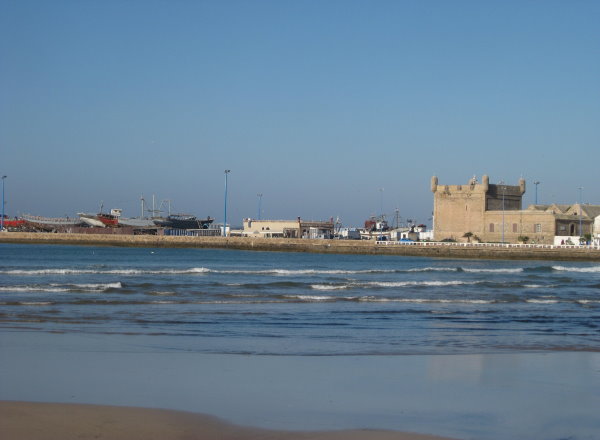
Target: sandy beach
492,397
52,421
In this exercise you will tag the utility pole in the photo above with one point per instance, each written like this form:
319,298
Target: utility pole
2,221
259,203
225,208
580,212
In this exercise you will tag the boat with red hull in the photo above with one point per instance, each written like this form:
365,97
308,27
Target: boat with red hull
12,223
101,220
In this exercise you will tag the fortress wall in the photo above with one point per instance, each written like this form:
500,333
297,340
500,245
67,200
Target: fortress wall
519,223
458,209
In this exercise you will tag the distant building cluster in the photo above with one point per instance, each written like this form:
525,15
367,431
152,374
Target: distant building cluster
478,211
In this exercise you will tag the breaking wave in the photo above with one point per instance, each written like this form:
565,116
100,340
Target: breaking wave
89,287
594,269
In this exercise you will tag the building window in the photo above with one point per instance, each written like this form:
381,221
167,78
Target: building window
491,227
537,228
515,228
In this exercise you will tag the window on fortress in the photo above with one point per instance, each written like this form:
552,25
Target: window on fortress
491,227
538,227
515,227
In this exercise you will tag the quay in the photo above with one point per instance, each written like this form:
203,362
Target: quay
413,249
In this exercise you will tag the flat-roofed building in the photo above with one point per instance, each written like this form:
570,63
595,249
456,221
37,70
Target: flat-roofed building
288,228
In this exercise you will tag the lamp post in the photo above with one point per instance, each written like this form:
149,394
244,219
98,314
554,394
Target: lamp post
580,212
225,214
259,203
503,191
381,218
536,183
2,221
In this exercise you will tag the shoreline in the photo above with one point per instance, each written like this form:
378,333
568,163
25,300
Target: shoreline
60,421
445,250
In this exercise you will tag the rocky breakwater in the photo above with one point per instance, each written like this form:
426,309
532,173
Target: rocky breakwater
439,250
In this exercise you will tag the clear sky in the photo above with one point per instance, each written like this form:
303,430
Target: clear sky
318,105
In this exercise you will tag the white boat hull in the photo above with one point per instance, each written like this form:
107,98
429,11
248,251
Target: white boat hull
92,222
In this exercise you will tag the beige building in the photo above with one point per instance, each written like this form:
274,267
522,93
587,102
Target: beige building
287,228
493,213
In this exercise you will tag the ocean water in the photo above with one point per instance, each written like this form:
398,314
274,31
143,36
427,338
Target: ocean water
260,303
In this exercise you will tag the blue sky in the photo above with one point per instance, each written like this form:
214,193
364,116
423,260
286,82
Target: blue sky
315,104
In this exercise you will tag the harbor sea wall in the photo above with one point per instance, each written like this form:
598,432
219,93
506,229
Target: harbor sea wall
439,250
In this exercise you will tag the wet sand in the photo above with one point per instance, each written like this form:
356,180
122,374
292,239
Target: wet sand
53,421
537,396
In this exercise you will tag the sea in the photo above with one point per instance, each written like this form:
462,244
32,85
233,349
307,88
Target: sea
275,303
468,349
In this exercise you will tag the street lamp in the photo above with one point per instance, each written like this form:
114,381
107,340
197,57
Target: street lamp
536,183
259,203
2,221
381,219
225,214
580,212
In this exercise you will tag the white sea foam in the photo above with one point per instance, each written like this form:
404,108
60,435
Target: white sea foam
504,270
425,300
297,272
418,283
105,286
66,271
329,286
60,287
542,301
310,297
576,269
47,271
433,269
321,271
32,289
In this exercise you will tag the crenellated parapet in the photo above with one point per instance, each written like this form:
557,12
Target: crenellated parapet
471,186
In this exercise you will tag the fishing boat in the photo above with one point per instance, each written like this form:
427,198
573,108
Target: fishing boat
51,221
101,219
14,223
183,221
137,222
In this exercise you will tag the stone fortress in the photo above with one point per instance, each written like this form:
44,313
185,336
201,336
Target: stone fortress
488,212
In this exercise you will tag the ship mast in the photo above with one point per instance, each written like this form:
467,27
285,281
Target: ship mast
143,201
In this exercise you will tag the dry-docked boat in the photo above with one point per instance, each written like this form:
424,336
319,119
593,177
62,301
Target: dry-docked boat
183,221
51,221
101,220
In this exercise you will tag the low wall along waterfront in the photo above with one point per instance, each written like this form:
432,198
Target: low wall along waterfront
423,249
